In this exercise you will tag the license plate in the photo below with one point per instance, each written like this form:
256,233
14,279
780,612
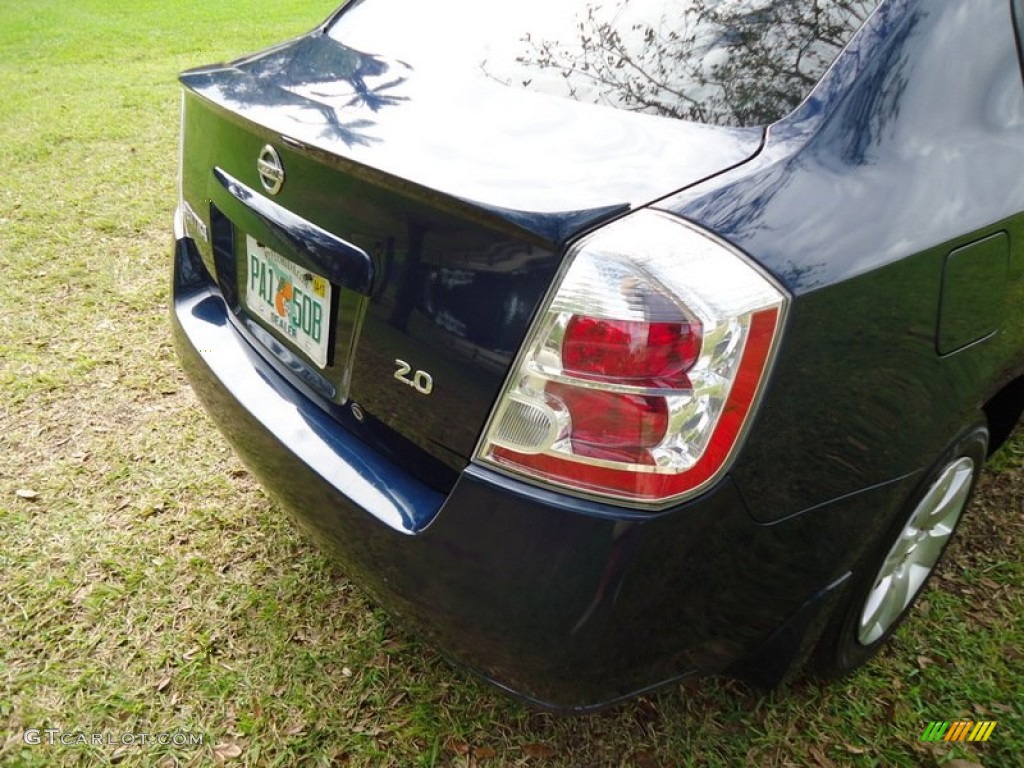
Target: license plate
292,300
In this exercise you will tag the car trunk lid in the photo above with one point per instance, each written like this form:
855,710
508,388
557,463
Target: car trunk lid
436,207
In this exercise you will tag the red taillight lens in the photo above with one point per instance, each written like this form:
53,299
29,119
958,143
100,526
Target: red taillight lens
612,419
631,350
640,374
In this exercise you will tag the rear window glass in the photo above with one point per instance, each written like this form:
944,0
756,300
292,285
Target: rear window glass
726,62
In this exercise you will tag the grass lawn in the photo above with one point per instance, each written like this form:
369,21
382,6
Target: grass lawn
148,585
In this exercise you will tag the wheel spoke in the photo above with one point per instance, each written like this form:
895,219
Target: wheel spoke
875,602
932,501
959,497
928,550
916,575
892,562
896,600
938,508
870,627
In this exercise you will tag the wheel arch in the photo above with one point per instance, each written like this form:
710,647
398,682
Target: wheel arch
1003,411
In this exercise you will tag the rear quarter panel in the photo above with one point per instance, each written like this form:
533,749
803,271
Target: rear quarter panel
911,147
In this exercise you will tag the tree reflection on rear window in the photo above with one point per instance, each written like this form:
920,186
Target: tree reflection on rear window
726,62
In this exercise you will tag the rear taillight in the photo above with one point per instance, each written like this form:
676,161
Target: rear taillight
639,375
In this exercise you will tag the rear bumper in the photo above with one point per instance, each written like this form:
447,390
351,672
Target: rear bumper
568,603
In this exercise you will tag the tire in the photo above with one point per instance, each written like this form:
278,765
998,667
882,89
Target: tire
904,559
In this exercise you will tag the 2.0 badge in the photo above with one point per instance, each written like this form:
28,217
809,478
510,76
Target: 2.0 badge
421,381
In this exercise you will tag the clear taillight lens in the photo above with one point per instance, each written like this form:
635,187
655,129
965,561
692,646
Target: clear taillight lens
639,375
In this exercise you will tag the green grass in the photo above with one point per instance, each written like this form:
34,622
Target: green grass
151,586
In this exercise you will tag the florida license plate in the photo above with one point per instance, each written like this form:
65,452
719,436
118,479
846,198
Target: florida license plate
292,300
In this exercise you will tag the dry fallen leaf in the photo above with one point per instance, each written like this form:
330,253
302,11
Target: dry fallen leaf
26,493
540,751
963,764
225,752
162,683
484,753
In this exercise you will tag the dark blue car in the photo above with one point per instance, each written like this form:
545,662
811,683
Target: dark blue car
611,343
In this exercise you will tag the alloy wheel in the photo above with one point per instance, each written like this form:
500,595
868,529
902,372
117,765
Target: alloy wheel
916,550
